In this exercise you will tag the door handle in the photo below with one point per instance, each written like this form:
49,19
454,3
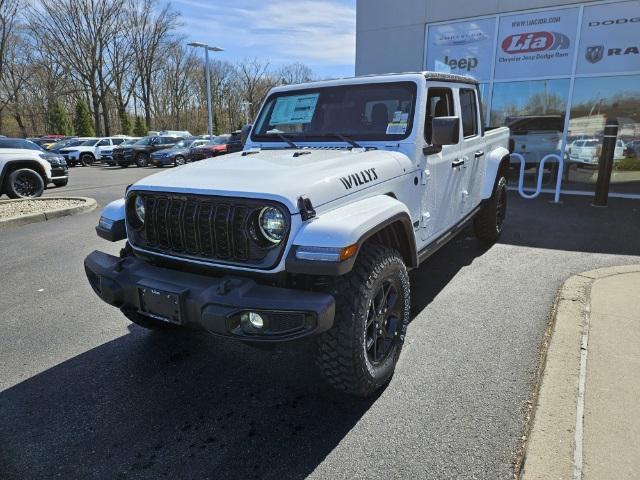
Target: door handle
479,153
458,162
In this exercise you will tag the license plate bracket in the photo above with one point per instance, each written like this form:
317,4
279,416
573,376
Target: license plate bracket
160,304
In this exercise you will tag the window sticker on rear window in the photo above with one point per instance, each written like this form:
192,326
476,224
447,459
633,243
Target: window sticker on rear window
398,125
294,109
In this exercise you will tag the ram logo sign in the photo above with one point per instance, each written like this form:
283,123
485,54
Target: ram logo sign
594,54
535,42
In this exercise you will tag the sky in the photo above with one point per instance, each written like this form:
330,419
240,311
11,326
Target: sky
318,33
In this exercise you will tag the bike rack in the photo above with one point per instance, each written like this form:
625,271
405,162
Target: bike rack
538,190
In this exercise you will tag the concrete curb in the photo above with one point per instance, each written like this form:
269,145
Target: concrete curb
550,446
88,205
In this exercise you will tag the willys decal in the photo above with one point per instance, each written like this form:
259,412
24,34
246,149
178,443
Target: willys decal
360,178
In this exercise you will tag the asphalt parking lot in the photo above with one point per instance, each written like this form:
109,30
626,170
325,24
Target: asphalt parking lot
85,394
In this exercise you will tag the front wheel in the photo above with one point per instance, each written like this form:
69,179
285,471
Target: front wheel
489,222
86,159
179,160
359,353
142,160
24,183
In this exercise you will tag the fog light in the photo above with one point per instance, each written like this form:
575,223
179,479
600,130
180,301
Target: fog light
252,318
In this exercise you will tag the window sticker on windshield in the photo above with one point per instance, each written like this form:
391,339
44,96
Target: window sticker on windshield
294,109
398,125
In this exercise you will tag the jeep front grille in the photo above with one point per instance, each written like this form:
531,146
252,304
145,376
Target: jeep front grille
205,228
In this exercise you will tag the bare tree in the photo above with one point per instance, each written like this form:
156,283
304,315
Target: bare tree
295,73
150,32
78,31
254,81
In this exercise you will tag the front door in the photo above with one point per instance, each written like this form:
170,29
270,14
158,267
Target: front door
440,181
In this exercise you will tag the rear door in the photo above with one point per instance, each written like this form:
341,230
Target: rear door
471,151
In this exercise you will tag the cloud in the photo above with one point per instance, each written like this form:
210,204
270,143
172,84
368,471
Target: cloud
311,31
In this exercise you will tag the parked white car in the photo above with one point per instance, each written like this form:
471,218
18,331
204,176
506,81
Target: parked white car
535,136
587,151
343,186
90,150
26,169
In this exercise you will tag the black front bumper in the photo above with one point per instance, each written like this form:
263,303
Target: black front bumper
215,304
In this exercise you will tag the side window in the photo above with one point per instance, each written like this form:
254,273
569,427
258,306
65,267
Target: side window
439,104
469,112
117,141
103,143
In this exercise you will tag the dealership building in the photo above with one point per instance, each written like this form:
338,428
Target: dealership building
553,70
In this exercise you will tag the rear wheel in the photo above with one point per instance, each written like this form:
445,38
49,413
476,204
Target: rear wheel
179,160
359,353
142,160
86,159
489,222
24,183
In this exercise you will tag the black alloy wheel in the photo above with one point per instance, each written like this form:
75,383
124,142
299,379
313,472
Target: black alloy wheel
383,326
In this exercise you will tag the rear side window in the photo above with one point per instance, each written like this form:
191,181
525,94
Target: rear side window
117,141
439,104
469,111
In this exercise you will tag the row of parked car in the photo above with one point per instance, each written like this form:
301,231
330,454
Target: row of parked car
27,166
164,149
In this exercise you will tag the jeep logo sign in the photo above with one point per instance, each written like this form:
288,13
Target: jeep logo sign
535,42
467,64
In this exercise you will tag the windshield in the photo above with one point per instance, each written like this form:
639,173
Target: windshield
381,111
144,141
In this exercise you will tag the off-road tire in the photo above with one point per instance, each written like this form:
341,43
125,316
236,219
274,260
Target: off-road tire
142,160
489,221
149,323
342,354
61,183
24,183
86,159
179,160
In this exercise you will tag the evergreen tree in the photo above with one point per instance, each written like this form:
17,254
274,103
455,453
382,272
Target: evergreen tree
125,122
82,121
140,128
58,121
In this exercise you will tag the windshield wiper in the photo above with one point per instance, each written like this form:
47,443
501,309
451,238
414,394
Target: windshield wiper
282,137
348,140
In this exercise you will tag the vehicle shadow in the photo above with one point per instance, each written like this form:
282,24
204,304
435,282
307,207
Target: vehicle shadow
149,405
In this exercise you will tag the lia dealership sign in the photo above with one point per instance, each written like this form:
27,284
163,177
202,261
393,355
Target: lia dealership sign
531,43
539,44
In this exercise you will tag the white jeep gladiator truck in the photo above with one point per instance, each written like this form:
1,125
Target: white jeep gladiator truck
342,187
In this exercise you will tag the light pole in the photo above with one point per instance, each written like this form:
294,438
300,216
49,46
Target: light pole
245,109
207,75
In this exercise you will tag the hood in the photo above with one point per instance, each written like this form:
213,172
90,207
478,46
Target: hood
281,175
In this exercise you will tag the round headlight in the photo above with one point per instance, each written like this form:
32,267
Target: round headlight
139,208
272,224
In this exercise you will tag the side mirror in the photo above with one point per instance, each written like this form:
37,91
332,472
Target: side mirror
244,133
445,131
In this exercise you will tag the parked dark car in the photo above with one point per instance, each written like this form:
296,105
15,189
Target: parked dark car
218,146
178,154
140,152
632,149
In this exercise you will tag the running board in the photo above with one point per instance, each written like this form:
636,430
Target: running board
443,239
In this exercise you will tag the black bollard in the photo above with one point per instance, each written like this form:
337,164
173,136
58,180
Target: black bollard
606,163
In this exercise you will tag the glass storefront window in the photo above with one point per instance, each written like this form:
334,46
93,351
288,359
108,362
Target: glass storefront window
534,111
594,101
